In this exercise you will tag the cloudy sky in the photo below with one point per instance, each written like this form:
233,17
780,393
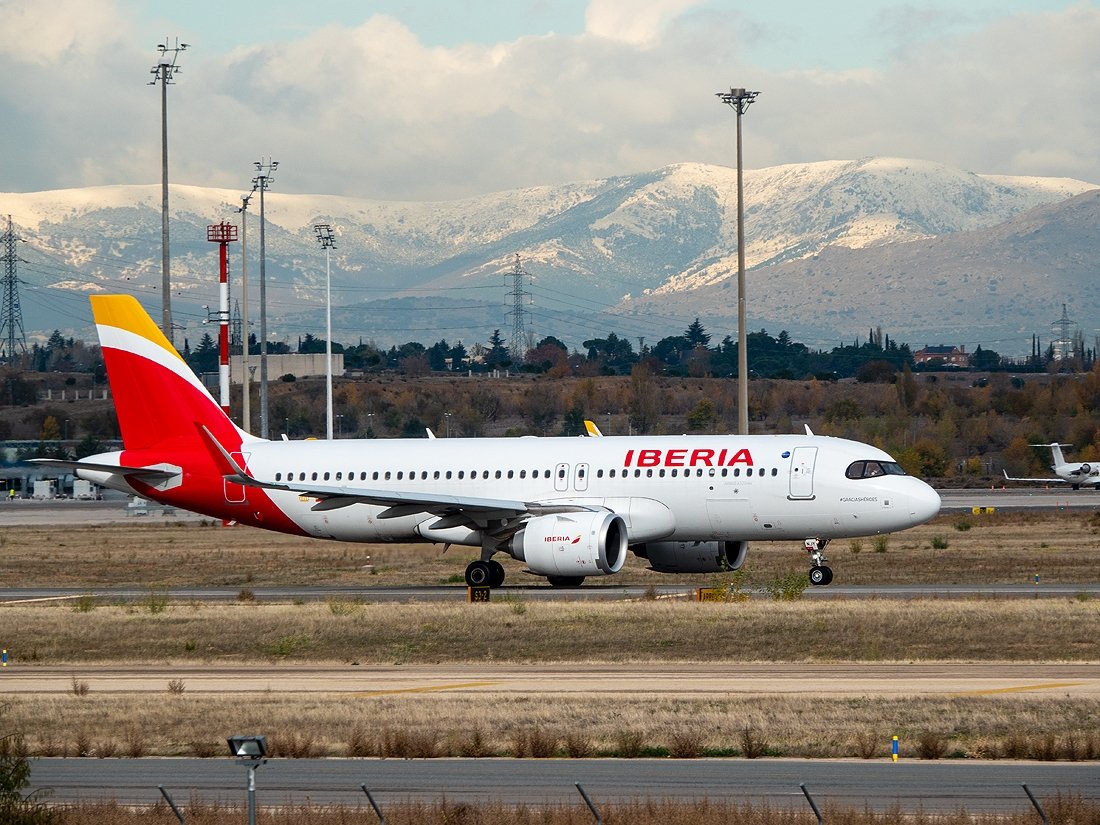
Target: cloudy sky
425,99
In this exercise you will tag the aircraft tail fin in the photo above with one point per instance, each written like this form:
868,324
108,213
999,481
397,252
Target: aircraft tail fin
1055,452
158,399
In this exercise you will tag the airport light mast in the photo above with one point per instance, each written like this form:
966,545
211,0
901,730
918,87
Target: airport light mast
163,73
740,100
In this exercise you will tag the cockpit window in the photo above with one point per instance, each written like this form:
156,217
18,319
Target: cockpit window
873,469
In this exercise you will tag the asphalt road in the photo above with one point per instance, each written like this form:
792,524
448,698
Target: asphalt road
931,786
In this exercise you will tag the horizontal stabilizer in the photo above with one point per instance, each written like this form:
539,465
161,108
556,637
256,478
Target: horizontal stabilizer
147,474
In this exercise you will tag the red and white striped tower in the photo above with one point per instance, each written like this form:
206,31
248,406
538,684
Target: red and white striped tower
223,233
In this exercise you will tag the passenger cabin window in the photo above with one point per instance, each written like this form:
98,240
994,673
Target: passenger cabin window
873,469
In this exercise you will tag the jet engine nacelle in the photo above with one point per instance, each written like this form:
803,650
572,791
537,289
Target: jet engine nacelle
572,544
693,556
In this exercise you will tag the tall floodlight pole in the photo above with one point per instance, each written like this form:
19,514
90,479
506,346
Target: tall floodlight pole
262,180
163,73
328,242
740,100
246,392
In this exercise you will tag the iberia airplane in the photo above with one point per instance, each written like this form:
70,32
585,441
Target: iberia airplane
567,508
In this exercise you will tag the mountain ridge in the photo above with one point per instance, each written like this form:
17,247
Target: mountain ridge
599,252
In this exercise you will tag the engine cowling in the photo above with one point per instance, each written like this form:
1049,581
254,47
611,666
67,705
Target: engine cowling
572,544
693,556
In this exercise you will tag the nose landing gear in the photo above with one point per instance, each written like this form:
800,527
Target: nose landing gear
820,574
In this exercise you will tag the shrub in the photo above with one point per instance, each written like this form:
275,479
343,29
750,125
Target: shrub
629,744
939,543
880,542
931,746
788,588
578,745
752,746
867,744
685,744
84,603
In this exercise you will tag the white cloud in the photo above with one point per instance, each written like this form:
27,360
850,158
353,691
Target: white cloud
40,33
639,22
371,111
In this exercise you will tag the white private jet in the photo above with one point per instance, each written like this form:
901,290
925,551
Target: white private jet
567,508
1076,473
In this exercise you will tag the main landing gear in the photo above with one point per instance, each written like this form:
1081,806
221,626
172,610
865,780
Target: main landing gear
819,572
488,573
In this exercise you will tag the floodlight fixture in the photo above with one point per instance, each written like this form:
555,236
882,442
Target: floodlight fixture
250,752
248,747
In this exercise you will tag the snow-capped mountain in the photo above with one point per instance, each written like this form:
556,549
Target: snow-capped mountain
655,248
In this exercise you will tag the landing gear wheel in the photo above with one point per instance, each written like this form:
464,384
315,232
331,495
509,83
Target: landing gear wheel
479,574
496,574
565,581
821,575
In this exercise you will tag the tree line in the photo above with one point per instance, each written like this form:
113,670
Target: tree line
688,354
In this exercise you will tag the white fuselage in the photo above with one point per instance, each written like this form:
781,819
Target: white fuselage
687,488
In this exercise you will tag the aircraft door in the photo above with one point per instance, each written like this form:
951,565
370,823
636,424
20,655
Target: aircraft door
236,493
802,472
580,477
561,477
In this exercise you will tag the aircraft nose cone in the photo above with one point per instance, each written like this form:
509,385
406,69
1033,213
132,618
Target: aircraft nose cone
924,503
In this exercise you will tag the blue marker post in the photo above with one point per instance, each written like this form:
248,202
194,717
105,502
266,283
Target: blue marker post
4,657
894,750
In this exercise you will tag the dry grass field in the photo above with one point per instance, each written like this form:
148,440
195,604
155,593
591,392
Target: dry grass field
1068,810
512,630
993,548
1000,547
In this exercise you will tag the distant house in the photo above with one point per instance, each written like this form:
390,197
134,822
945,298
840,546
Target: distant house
951,356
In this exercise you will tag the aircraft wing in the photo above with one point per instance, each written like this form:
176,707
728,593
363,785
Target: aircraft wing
1048,480
462,509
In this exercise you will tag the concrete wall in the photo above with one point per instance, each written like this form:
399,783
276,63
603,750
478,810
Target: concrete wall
300,366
